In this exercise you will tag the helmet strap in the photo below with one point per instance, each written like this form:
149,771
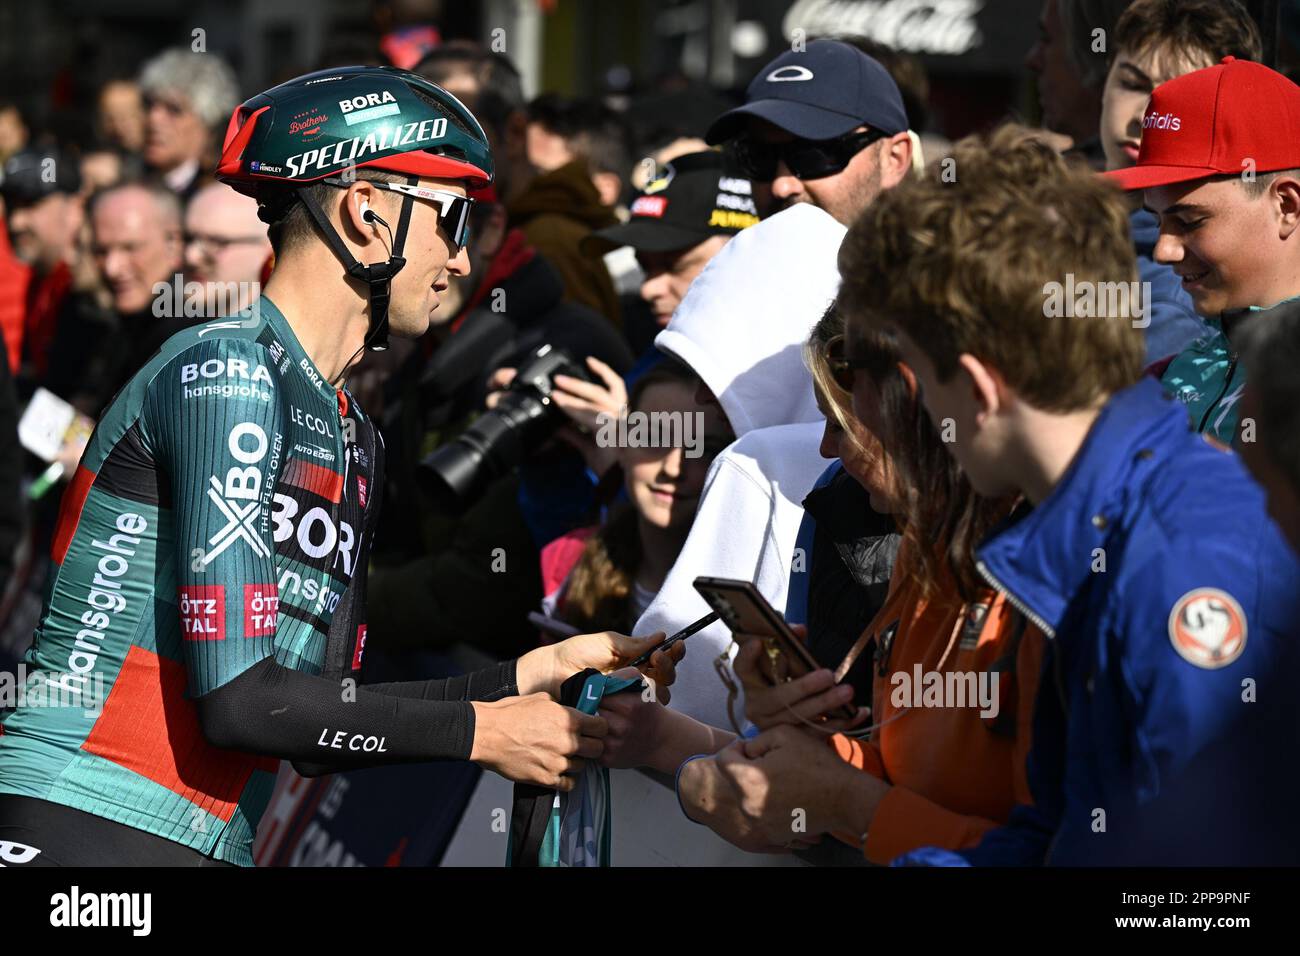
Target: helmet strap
378,276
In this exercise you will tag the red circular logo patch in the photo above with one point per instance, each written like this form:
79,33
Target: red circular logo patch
1208,628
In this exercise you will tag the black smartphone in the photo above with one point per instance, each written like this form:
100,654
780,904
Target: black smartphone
683,634
748,615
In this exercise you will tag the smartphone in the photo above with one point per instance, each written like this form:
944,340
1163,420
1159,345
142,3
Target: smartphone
748,614
683,634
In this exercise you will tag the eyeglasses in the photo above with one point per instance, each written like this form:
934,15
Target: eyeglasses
805,158
453,210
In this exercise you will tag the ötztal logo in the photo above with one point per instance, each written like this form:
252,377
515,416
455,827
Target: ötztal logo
1163,121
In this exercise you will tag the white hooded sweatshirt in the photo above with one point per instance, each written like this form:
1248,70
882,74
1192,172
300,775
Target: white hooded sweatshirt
741,328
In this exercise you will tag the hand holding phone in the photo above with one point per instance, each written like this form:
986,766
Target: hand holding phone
750,617
692,628
815,699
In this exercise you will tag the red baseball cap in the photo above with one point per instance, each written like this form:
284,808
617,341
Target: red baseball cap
1215,122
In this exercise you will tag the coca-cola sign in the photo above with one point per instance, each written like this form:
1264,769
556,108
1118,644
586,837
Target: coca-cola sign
944,27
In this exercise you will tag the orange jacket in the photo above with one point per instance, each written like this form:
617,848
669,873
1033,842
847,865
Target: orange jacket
954,773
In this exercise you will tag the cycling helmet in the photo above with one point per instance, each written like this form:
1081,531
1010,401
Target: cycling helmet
334,123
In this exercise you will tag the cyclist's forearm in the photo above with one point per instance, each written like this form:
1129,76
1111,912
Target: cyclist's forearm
490,683
278,712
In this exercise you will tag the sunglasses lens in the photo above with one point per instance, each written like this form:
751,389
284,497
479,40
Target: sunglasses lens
809,160
462,226
757,161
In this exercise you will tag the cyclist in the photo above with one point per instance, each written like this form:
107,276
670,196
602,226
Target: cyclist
206,615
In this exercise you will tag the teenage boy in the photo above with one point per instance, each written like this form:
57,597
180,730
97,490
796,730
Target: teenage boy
1153,42
1148,558
1220,165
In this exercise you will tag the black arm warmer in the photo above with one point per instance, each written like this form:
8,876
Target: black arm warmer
491,683
325,727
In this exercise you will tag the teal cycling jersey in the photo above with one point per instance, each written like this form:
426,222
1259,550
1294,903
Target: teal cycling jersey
221,515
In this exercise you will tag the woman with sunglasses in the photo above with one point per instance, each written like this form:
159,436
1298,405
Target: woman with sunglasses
928,770
848,582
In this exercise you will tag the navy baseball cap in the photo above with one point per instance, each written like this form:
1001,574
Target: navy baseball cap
822,92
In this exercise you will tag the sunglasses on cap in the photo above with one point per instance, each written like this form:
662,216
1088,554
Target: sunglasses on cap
453,210
805,158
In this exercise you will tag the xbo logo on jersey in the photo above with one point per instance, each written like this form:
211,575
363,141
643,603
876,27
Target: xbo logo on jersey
237,498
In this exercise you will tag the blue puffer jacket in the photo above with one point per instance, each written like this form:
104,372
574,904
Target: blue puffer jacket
1174,322
1170,599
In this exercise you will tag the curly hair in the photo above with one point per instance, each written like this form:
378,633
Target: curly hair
963,260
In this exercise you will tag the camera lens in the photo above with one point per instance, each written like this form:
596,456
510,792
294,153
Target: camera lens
458,472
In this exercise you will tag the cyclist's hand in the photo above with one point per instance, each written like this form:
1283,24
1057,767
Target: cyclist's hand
534,740
547,668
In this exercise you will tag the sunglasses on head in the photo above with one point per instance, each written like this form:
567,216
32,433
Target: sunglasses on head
805,158
844,369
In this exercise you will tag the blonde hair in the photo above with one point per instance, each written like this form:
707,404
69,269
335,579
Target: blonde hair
816,355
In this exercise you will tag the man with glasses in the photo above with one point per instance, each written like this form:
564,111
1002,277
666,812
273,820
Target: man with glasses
226,247
825,125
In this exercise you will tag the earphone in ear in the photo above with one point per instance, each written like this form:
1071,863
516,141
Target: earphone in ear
371,217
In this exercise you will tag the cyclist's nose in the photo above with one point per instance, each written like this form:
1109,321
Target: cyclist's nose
459,264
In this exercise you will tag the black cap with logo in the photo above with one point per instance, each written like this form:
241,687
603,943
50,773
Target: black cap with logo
690,199
35,172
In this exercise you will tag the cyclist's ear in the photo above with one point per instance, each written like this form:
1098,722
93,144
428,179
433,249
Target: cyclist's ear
358,199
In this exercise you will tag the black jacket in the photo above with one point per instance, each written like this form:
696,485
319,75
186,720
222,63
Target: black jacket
853,554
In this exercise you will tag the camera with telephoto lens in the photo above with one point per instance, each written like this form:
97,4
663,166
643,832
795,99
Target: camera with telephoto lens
455,474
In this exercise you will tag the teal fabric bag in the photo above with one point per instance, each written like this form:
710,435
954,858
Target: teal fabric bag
551,828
